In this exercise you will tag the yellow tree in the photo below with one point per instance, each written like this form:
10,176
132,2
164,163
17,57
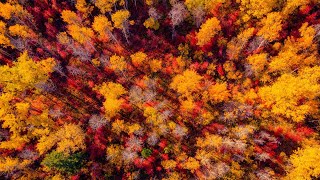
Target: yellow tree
258,62
70,17
236,45
272,25
105,5
121,21
208,30
296,53
80,34
256,8
4,40
20,30
69,139
15,112
186,83
293,96
112,92
304,163
103,26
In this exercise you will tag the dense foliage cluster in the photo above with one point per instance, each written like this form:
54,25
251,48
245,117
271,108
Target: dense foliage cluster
159,89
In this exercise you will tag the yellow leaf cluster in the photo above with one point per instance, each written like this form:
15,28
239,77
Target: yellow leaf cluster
19,30
9,164
138,58
208,30
187,105
305,163
291,5
205,5
69,139
118,63
293,96
210,140
152,116
272,25
25,73
155,65
191,164
105,5
231,70
45,143
3,39
236,44
102,25
169,164
118,126
187,82
70,17
8,10
80,34
296,53
114,154
258,62
151,23
256,8
112,106
219,92
111,91
83,7
307,35
119,18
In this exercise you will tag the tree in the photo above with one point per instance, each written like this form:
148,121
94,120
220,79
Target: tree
293,96
208,30
304,163
272,25
80,34
256,8
186,83
103,26
121,21
69,164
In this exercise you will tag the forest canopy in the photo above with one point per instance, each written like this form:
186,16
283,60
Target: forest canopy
160,89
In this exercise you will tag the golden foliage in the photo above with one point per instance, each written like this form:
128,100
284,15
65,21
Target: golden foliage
19,30
138,58
208,30
111,91
119,18
293,96
186,83
68,139
155,65
71,139
219,92
305,163
105,5
258,62
151,23
80,34
191,164
272,25
70,17
102,25
114,154
169,164
256,8
25,73
118,63
210,140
